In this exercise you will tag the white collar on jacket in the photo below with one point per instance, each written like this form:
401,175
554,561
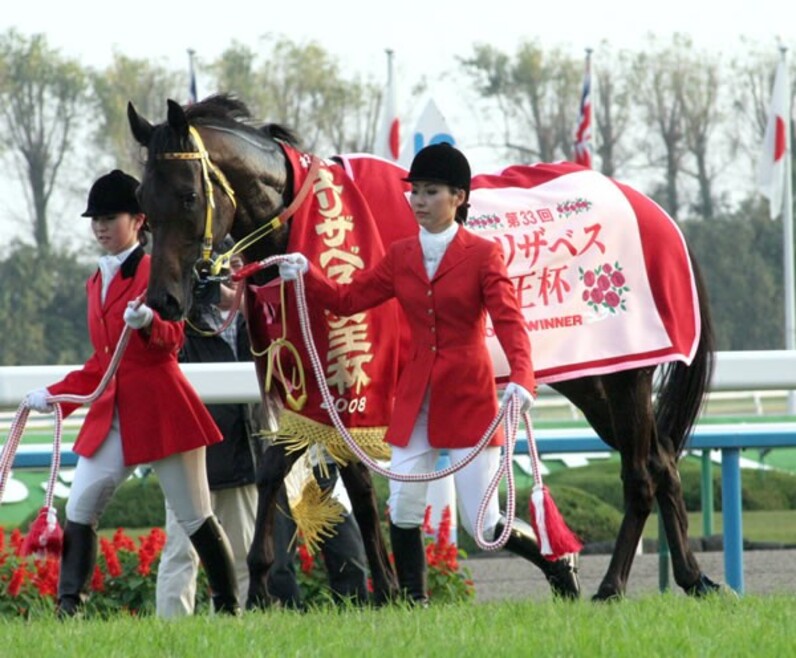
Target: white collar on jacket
109,265
434,246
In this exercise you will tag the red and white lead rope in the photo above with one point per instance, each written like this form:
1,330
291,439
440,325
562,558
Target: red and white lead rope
18,428
508,413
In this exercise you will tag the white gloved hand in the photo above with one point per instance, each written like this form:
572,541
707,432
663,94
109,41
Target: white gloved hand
37,400
138,318
526,400
293,266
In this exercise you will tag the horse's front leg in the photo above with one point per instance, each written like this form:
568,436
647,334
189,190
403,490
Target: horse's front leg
274,465
359,485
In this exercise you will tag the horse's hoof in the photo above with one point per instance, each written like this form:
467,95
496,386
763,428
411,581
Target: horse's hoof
68,607
704,586
383,598
563,578
257,602
608,595
408,602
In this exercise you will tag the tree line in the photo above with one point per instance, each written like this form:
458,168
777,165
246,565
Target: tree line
688,123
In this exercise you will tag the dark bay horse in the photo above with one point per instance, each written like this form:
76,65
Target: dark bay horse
248,159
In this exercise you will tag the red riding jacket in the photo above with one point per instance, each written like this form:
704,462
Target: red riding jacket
159,411
447,318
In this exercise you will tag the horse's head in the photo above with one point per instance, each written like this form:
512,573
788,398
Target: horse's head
194,160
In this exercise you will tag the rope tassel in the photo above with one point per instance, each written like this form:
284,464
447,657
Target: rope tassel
45,534
555,538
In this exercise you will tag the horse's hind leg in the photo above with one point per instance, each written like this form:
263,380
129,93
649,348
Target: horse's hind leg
630,399
671,507
274,465
359,485
619,408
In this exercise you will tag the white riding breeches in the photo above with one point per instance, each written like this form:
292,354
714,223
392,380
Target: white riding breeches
408,499
182,477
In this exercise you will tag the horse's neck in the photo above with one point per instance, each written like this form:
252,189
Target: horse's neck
260,181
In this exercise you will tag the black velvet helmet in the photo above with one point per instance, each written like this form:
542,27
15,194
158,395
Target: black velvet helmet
113,193
441,163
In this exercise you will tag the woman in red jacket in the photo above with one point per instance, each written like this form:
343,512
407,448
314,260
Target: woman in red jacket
446,280
148,413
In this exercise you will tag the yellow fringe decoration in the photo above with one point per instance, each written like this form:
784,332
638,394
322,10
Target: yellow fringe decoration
297,432
316,513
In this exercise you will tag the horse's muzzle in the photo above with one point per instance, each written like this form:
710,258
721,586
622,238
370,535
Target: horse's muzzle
168,306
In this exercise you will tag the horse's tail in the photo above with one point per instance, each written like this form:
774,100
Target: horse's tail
683,387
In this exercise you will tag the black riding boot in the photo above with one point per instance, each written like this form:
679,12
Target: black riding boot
562,574
213,548
78,557
409,552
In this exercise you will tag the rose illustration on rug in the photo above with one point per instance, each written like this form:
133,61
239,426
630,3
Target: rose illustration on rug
604,289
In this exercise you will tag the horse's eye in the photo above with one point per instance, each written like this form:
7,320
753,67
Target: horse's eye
189,200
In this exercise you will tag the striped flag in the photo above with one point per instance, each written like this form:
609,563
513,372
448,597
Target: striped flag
192,95
771,169
388,139
583,129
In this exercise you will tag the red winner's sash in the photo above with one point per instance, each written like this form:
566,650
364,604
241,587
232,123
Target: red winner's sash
335,230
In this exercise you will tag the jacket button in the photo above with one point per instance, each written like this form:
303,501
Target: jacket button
430,311
433,348
430,292
433,328
107,349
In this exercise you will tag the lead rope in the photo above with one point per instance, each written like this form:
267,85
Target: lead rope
18,427
507,412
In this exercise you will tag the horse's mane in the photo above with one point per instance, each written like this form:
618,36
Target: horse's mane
226,111
231,111
282,133
221,107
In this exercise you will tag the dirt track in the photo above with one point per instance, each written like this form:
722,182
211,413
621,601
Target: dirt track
505,576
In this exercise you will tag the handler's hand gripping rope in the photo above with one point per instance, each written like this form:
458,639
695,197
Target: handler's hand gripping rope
45,533
508,413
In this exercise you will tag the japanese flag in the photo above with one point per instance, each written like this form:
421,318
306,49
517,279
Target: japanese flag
388,138
771,170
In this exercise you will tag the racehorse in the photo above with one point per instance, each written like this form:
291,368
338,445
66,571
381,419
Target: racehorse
215,141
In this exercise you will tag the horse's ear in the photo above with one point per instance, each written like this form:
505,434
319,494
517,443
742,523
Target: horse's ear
177,120
142,129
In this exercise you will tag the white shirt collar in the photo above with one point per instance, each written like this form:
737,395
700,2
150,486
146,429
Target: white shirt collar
443,237
110,264
434,246
118,259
